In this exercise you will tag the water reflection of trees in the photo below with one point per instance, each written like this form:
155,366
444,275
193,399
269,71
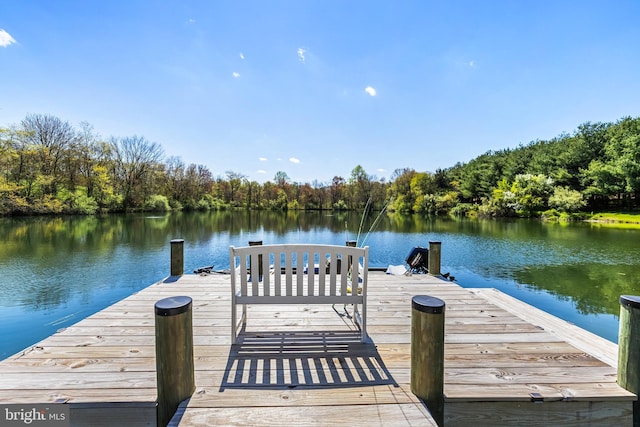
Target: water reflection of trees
594,288
42,246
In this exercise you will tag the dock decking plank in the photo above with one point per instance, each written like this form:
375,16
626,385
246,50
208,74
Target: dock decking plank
574,335
310,416
302,363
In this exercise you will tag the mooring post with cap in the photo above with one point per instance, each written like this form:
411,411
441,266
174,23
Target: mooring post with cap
434,258
351,243
629,349
257,243
174,355
427,353
177,257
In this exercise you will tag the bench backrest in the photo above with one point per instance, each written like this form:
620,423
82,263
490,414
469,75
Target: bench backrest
299,271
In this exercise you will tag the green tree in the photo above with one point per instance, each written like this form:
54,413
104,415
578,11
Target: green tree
565,199
360,187
404,199
103,191
603,179
624,149
531,193
157,203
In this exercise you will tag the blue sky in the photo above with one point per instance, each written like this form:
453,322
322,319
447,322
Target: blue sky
314,88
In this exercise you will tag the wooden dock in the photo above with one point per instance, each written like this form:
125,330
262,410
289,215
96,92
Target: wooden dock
506,363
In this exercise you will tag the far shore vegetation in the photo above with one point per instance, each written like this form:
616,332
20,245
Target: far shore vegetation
50,167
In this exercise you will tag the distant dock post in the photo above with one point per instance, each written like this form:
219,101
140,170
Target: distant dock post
434,258
629,350
353,244
257,243
427,353
174,355
177,257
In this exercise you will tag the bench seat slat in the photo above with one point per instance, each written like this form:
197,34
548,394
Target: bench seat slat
338,299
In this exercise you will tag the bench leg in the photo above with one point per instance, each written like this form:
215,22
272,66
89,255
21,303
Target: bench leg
235,325
361,321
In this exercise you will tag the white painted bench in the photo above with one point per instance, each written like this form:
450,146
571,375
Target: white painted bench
298,274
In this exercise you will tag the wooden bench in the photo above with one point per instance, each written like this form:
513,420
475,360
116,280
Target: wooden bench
298,274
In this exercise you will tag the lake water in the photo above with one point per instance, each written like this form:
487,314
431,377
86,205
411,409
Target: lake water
57,271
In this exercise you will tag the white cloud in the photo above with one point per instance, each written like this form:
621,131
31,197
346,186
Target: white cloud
263,159
6,39
301,51
261,171
381,170
236,75
370,90
241,55
294,160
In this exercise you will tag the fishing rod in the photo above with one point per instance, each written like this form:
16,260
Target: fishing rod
375,222
364,214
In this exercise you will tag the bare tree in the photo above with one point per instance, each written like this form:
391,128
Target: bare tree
337,189
281,179
136,158
235,182
52,139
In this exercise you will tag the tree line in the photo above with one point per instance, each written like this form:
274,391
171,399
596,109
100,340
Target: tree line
48,166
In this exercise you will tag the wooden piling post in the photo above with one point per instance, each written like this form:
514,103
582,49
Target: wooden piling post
434,258
177,257
629,349
174,355
353,244
427,353
257,243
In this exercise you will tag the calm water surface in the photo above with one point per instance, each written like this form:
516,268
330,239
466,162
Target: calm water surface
57,271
